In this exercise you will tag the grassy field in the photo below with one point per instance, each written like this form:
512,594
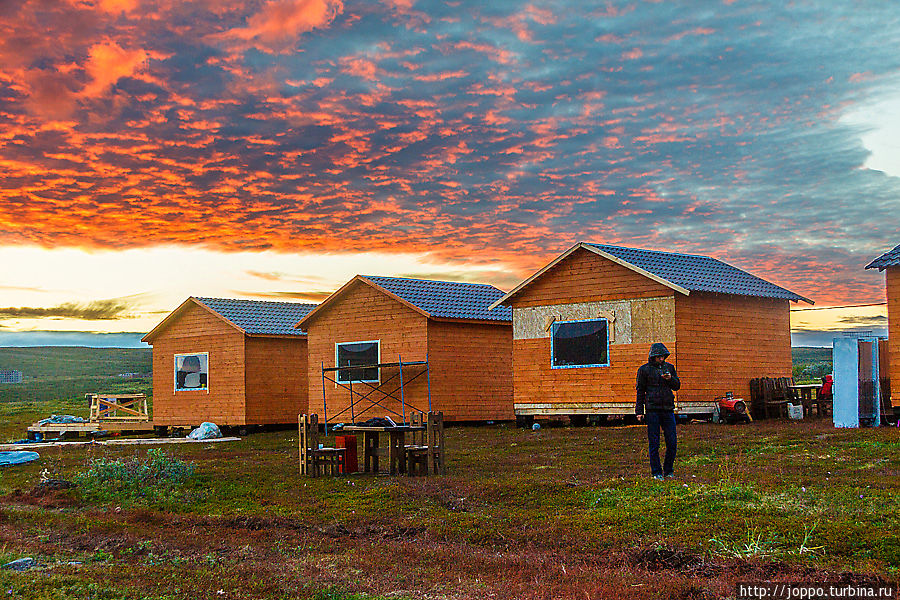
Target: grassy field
57,378
561,512
557,513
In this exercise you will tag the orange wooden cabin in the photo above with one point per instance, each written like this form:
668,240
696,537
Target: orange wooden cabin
584,323
386,320
889,262
231,362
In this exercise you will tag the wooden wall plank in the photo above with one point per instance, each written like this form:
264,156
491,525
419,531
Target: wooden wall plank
276,379
892,281
724,341
364,313
471,370
196,330
587,277
535,380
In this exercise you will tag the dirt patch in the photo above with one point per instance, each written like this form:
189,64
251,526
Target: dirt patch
53,493
667,558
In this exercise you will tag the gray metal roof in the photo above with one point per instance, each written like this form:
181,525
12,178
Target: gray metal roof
258,317
447,299
699,273
888,259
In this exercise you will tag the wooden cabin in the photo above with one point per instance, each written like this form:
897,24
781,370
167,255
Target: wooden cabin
379,322
889,262
584,323
231,362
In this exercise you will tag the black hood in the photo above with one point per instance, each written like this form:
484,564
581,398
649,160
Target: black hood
658,349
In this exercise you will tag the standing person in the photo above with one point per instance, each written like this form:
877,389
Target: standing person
656,382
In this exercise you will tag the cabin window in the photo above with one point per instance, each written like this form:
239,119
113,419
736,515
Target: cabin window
579,344
349,354
192,372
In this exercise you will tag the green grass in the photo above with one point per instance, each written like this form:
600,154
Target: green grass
802,498
561,512
802,354
75,361
57,378
810,364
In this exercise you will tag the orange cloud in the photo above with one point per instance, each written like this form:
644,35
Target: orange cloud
118,6
108,63
276,27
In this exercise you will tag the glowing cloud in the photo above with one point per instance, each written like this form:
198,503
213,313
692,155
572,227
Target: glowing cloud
108,63
278,24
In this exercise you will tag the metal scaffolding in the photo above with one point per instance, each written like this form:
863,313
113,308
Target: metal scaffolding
369,389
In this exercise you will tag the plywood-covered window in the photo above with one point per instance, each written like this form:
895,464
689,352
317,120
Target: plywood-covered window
192,372
579,344
350,354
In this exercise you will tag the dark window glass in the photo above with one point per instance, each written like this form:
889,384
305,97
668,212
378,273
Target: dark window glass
580,344
358,353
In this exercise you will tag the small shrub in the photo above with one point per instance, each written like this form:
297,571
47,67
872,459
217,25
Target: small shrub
118,479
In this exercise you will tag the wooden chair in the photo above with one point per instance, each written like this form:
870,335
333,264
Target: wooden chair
317,461
434,435
416,452
425,454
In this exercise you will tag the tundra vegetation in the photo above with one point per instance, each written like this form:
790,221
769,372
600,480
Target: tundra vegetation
563,512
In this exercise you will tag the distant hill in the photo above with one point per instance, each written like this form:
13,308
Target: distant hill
67,361
66,373
811,364
810,355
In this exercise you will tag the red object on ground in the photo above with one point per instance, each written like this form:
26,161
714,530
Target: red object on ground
349,442
735,405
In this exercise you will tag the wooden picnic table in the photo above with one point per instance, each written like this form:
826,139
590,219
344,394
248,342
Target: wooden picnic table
372,446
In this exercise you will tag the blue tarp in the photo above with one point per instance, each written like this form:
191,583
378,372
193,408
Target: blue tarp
61,419
17,458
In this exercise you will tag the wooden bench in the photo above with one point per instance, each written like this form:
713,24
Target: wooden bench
770,396
314,460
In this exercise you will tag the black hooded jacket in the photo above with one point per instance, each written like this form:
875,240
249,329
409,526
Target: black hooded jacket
654,392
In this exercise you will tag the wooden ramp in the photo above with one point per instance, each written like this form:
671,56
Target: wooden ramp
548,409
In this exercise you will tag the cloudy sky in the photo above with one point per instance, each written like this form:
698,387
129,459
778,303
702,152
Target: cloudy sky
154,150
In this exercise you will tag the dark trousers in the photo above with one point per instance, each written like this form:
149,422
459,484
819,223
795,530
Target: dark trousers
657,419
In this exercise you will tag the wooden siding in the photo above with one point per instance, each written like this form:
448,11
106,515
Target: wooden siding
196,330
723,341
892,278
587,277
536,381
582,277
471,370
364,313
277,381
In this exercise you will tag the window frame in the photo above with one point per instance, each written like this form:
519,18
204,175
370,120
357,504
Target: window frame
175,372
553,328
338,380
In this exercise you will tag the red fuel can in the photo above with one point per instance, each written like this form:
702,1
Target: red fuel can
349,442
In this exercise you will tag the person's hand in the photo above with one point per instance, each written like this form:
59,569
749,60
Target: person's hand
640,418
667,376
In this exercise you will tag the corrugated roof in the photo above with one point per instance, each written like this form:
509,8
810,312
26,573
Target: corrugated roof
888,259
447,299
258,317
699,273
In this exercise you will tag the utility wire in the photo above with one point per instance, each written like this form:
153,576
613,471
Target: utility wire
834,307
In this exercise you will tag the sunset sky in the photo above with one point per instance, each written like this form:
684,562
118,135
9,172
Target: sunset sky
154,150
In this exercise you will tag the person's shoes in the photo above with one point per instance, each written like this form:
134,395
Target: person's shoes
660,477
670,475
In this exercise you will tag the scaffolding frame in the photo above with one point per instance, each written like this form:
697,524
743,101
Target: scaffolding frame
369,389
